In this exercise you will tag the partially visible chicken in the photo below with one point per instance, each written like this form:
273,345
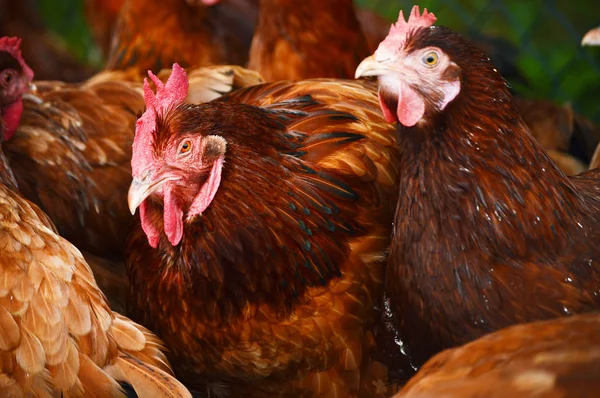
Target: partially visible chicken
58,336
592,37
568,137
559,358
489,232
595,163
264,221
153,34
40,47
306,39
71,151
101,16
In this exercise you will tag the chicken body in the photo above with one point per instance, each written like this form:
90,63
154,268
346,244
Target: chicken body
40,47
489,232
270,291
307,39
150,36
559,358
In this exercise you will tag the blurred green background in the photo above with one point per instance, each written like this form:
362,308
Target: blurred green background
546,36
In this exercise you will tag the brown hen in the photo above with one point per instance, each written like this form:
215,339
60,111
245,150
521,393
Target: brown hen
306,39
489,232
264,222
559,358
152,35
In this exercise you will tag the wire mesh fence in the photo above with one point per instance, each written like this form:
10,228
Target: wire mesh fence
542,38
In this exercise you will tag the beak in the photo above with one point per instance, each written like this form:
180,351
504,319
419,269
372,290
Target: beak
139,190
370,67
591,38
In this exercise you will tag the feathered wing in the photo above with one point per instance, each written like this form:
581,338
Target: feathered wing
71,156
556,358
57,332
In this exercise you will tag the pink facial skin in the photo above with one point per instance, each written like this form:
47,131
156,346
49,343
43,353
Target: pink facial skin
408,76
15,79
184,174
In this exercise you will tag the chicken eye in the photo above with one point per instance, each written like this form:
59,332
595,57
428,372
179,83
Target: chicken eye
185,146
431,59
6,77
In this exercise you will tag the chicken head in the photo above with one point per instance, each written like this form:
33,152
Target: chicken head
180,171
15,78
414,79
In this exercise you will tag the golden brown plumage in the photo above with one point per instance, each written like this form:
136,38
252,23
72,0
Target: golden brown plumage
58,336
559,358
271,291
489,232
307,39
152,34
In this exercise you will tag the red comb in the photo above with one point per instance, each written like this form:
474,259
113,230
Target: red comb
167,96
398,31
12,45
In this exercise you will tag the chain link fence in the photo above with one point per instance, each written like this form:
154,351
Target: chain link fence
541,37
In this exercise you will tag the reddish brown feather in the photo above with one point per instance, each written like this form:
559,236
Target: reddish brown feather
307,39
551,359
152,34
489,232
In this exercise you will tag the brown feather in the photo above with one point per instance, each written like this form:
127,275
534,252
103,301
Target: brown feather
556,358
307,39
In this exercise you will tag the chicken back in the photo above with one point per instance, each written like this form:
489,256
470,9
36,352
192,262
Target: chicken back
307,39
259,249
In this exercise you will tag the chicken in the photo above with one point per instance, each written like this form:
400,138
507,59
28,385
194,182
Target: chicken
489,232
43,50
568,137
595,163
152,34
307,39
545,359
71,148
58,336
101,16
592,37
259,246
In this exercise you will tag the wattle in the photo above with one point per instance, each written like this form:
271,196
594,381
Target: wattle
11,117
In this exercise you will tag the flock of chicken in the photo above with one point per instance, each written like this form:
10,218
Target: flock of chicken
308,227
